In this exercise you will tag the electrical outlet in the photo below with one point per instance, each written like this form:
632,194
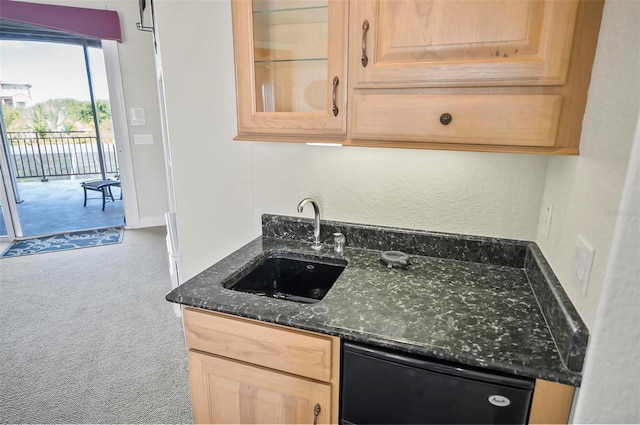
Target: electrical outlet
582,262
546,224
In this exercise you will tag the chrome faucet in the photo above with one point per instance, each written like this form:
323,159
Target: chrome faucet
316,220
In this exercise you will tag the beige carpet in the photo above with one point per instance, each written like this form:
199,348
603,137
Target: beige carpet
87,337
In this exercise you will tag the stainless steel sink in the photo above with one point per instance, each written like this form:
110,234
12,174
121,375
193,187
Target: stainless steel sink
289,276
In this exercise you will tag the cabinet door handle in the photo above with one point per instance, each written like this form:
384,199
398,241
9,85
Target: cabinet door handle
365,28
316,412
336,81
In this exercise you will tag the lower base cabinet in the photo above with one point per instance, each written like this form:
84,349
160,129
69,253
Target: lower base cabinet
248,372
551,403
244,371
228,392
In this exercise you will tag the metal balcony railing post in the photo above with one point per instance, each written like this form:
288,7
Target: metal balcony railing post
44,174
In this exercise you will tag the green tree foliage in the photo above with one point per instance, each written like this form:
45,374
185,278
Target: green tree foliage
11,115
84,112
64,115
51,115
39,121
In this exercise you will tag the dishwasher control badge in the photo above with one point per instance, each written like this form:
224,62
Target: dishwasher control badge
499,400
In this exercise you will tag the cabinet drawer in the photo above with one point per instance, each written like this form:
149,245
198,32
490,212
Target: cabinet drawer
504,119
272,346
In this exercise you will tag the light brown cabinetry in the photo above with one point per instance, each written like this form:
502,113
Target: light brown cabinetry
489,119
290,68
484,75
440,43
474,75
243,371
551,403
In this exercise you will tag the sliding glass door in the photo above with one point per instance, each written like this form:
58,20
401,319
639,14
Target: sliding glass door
57,134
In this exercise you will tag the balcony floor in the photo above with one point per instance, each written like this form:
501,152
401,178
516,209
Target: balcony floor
56,207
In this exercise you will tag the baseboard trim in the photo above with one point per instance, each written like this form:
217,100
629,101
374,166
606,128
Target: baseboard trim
148,222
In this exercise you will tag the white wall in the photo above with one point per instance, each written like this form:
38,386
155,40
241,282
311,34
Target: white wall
585,191
611,389
212,174
138,78
462,192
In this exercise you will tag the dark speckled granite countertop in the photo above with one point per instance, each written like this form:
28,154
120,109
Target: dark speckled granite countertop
484,302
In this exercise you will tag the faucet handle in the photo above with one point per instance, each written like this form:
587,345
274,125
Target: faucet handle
339,242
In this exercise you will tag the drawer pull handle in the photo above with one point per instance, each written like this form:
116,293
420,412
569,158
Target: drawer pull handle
445,119
336,81
316,412
365,28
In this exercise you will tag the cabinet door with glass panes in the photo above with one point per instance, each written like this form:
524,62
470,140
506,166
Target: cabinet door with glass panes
290,69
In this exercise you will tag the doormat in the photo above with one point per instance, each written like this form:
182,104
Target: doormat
65,241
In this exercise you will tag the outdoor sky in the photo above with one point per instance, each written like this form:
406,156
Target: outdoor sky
55,71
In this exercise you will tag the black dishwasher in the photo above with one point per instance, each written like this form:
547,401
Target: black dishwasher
380,386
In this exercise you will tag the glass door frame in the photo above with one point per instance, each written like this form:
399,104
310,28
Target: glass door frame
7,190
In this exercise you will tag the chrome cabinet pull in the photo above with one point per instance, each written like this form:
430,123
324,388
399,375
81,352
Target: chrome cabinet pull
365,28
336,81
316,412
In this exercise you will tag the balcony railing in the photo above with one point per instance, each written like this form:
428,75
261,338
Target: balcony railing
56,153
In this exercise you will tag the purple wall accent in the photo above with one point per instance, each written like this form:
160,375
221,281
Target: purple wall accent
91,23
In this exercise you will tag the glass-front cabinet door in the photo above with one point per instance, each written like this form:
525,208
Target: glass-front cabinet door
290,69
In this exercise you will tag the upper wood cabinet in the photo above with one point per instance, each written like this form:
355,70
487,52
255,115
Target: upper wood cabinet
444,43
291,76
481,75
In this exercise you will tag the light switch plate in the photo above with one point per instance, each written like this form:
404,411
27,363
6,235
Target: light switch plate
582,263
137,116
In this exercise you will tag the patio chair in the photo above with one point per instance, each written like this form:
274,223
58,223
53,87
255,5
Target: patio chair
102,186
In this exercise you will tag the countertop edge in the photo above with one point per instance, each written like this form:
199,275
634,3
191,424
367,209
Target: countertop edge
568,378
569,332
